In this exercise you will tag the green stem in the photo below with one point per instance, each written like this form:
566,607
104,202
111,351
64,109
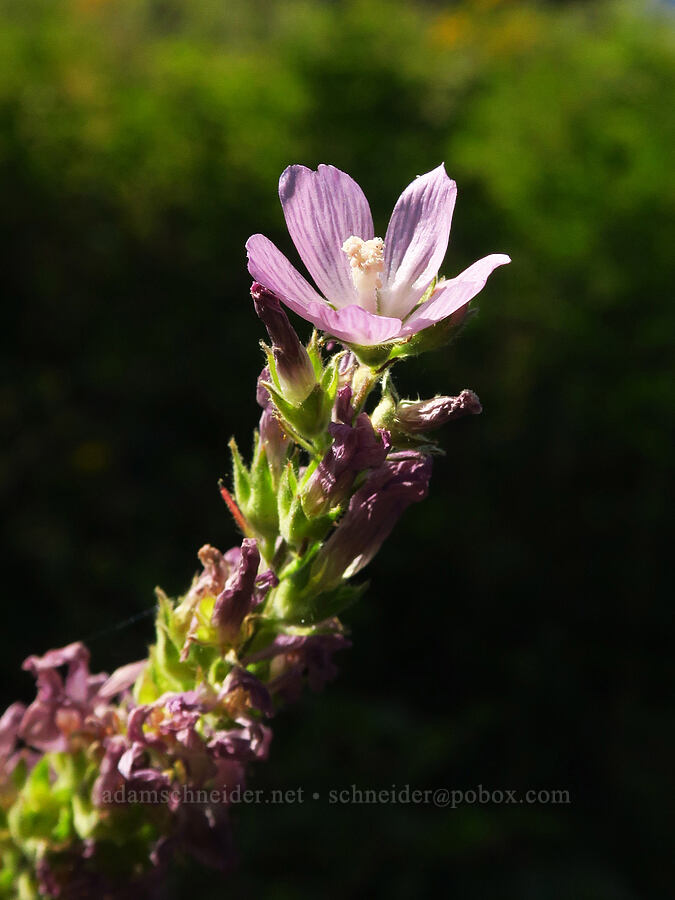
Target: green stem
366,380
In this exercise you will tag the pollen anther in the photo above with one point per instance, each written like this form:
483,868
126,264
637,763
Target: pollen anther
366,259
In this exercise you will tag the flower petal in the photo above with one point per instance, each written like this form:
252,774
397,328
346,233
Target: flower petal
122,678
416,240
356,325
322,210
268,265
453,294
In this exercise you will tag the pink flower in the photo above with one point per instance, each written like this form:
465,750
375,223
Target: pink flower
370,288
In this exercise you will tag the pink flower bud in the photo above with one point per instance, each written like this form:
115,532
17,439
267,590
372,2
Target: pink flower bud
417,416
294,369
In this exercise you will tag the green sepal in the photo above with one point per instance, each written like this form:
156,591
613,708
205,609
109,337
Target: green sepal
262,511
384,416
26,888
435,336
19,774
218,670
294,600
329,383
288,489
301,418
240,477
294,526
172,618
286,602
11,863
310,418
69,769
314,353
165,670
271,364
42,811
205,633
254,489
269,629
375,356
332,603
85,816
146,689
255,494
300,561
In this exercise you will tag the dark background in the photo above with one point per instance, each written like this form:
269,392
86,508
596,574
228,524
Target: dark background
516,631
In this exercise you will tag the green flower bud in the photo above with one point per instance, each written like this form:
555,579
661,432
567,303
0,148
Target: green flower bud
254,491
165,671
311,418
435,336
374,357
295,526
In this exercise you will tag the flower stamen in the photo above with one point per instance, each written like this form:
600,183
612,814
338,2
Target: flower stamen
366,259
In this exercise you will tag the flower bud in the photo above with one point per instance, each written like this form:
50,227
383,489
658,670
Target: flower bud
409,420
384,414
294,525
311,417
255,490
417,416
262,395
274,442
352,451
373,511
293,367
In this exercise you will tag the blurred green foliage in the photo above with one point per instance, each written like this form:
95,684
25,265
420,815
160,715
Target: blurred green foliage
140,144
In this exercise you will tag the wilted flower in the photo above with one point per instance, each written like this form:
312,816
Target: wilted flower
373,511
353,450
242,692
415,417
295,656
221,597
370,288
217,568
67,707
10,722
343,411
237,598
